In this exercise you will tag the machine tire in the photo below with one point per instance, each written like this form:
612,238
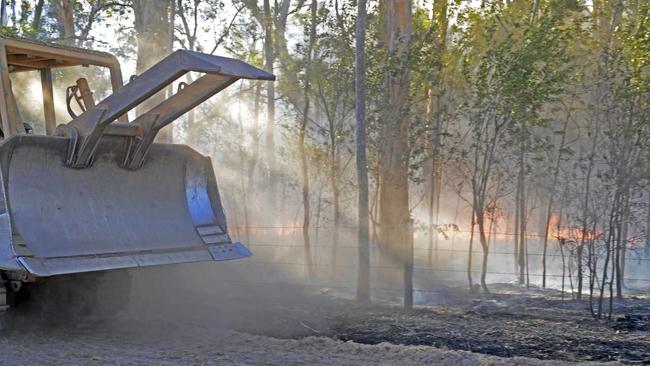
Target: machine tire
82,296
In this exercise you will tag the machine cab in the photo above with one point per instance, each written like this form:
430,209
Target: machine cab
22,55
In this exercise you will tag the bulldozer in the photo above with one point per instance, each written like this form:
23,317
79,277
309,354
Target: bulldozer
98,192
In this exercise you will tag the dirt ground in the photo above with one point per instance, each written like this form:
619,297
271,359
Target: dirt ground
285,325
98,345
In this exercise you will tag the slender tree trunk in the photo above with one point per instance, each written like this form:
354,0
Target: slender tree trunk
471,247
302,148
570,276
527,267
171,39
375,208
319,206
480,220
242,175
283,198
38,16
434,93
549,207
363,215
647,230
334,181
4,18
484,150
585,218
522,216
561,242
615,240
593,266
269,60
152,37
579,262
517,217
493,235
611,237
337,226
622,245
255,137
604,278
432,229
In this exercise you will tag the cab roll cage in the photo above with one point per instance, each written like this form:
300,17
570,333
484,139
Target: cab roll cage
109,116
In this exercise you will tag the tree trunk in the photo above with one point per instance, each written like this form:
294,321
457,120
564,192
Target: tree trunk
561,244
516,241
302,148
549,207
604,277
611,237
647,230
63,11
336,192
38,16
4,18
255,149
242,175
471,249
337,223
521,187
394,195
585,218
480,220
621,242
363,235
152,36
269,60
439,31
319,206
593,265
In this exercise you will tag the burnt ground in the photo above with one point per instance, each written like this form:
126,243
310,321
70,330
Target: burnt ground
510,322
273,324
538,328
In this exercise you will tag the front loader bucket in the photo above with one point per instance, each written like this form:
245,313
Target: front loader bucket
101,194
55,219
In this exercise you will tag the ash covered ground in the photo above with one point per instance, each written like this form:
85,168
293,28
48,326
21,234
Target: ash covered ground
168,323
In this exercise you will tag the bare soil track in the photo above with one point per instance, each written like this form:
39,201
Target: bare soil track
286,325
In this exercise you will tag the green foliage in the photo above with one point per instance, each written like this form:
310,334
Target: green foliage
517,62
505,76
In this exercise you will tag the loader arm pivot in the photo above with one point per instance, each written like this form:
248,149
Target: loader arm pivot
168,111
86,130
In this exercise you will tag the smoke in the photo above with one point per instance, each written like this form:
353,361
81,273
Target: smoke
253,295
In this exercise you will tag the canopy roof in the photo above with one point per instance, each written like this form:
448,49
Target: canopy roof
25,55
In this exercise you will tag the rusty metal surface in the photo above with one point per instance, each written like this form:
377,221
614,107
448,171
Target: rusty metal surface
72,220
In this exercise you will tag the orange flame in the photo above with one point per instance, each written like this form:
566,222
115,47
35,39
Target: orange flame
569,233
